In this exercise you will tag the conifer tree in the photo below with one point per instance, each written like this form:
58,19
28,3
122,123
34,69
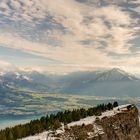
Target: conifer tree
115,104
10,136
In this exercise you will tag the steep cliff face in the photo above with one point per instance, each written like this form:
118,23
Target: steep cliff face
121,123
122,126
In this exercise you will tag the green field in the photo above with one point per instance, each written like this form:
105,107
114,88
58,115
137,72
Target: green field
24,105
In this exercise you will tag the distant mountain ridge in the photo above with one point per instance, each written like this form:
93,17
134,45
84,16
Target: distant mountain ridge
104,83
116,74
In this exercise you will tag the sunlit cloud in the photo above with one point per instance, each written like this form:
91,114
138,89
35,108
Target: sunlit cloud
5,65
73,34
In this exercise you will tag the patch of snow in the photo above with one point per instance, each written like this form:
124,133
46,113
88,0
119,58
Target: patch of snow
26,78
86,121
17,75
114,111
47,135
41,136
2,73
98,129
60,130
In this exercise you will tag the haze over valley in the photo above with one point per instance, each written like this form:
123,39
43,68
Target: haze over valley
28,95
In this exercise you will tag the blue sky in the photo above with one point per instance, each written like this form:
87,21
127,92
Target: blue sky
70,35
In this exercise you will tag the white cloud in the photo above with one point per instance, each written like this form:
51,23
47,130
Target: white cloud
4,65
25,11
110,24
119,33
71,54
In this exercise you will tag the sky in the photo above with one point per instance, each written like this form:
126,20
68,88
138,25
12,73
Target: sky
69,35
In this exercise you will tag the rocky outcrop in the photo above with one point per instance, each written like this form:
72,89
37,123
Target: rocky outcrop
122,126
121,123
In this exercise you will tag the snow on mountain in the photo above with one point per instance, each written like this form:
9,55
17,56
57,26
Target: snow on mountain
2,73
110,82
91,119
115,74
87,82
50,135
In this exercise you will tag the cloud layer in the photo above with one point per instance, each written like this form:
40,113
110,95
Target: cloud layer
74,34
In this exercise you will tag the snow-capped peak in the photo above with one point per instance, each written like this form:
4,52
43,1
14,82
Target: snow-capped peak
116,74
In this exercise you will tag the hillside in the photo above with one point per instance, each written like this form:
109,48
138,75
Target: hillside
53,121
121,123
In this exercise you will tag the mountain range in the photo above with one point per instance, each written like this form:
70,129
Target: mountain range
113,82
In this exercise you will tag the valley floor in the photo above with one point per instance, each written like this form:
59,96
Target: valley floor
23,106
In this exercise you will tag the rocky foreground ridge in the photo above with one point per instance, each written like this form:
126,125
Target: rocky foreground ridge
121,123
